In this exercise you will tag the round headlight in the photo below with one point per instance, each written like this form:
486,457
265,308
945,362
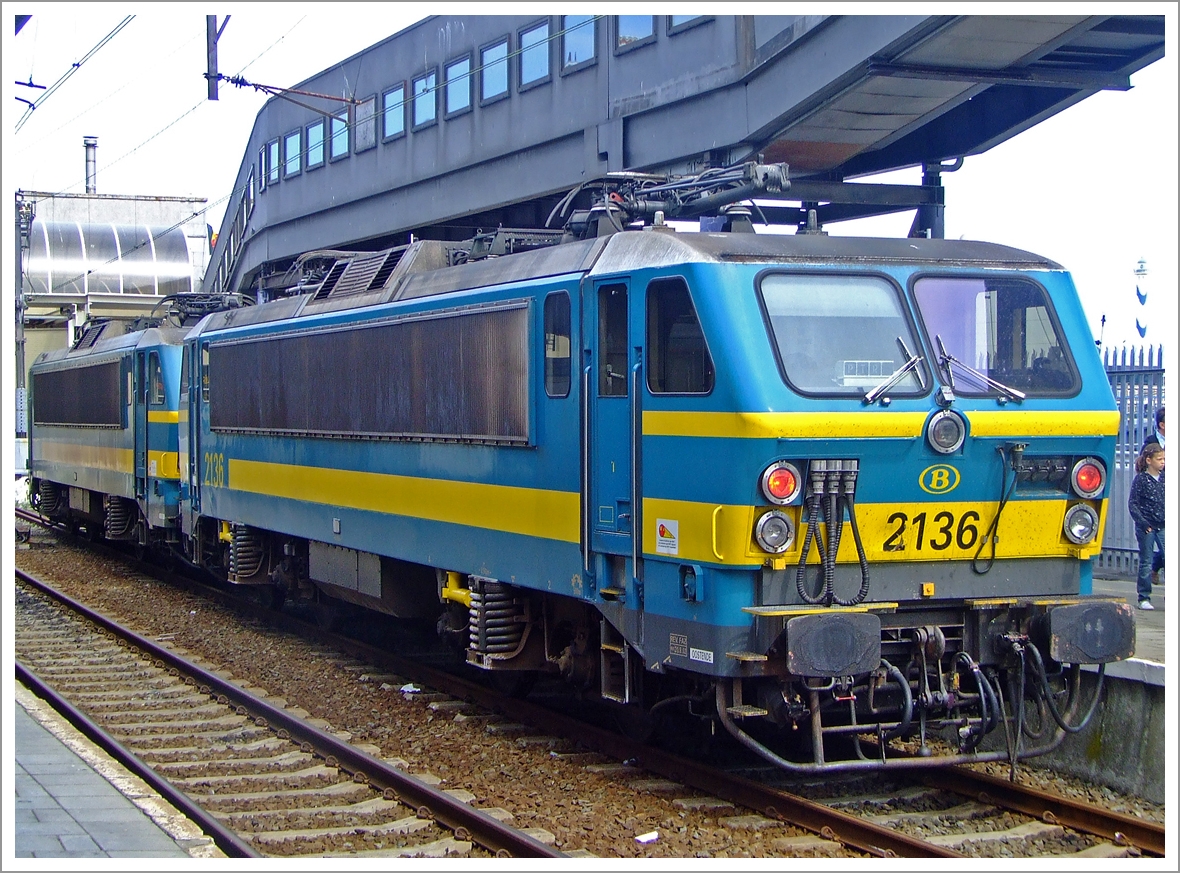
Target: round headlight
1081,524
775,532
1088,477
945,432
781,483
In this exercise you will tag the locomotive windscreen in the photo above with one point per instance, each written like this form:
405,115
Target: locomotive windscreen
90,395
459,375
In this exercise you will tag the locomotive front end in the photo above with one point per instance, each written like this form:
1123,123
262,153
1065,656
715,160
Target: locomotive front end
927,491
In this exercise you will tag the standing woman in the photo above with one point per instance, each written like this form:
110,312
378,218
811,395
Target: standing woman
1146,505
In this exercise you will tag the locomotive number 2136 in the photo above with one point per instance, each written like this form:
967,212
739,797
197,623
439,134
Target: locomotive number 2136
214,470
943,529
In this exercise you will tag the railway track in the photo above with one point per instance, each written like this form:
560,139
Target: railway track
858,825
261,779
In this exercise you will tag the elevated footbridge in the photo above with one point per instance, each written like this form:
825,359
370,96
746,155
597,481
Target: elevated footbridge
466,123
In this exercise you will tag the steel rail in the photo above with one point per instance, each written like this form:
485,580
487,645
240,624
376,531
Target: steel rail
790,808
225,839
830,823
1121,829
464,820
1147,836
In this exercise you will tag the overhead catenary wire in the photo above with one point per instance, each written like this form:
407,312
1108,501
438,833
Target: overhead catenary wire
276,91
242,82
188,112
77,65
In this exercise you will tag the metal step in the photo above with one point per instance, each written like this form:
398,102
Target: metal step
746,656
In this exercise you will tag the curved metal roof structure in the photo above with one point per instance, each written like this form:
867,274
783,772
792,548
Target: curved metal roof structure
500,116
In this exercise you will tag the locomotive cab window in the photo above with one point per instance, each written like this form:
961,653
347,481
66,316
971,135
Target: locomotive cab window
557,344
205,372
612,341
155,380
1003,328
678,360
838,334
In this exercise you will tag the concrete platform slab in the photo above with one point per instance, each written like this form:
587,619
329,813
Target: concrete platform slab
68,805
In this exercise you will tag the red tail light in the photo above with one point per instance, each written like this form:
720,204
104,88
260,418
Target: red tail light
781,483
1089,477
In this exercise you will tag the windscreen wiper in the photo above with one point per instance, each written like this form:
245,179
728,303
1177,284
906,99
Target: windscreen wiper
945,358
911,363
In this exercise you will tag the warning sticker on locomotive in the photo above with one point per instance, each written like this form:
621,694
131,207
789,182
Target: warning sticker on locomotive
700,655
678,644
667,537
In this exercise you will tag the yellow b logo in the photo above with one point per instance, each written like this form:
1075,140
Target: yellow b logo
939,479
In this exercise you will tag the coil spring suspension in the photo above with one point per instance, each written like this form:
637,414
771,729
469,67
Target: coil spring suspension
497,617
120,515
48,497
246,552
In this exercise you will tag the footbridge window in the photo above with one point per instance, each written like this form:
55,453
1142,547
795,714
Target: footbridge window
393,112
425,99
493,62
458,89
292,147
577,42
534,55
315,144
339,144
632,31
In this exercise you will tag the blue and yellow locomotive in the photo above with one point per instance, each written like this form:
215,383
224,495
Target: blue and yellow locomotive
844,489
104,431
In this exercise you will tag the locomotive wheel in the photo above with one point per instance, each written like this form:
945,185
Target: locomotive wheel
634,723
327,612
514,683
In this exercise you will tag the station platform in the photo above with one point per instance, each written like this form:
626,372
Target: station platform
75,801
1147,665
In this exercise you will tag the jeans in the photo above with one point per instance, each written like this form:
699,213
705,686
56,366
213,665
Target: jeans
1147,544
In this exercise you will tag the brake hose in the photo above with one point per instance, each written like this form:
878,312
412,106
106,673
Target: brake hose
1039,668
860,554
812,532
907,708
971,741
1005,493
835,522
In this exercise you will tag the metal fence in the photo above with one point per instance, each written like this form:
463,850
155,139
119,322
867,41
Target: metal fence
1137,380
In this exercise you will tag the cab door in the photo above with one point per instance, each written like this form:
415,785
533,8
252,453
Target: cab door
610,385
198,394
140,426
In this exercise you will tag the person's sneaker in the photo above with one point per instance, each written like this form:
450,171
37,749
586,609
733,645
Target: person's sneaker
1145,604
